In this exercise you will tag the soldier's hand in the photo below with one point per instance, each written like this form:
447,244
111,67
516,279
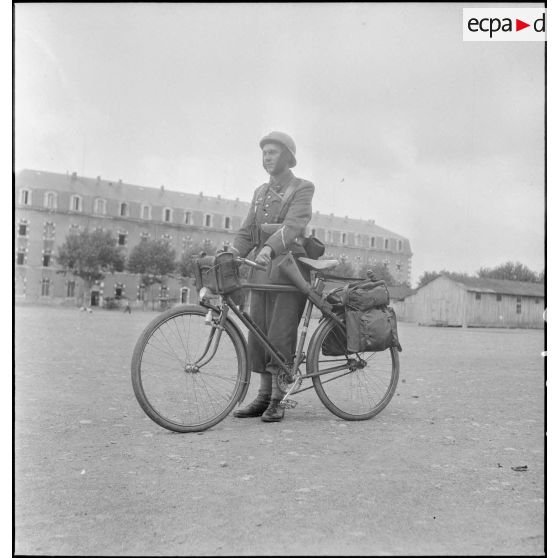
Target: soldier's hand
264,257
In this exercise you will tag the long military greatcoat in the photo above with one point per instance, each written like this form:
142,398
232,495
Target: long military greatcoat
277,314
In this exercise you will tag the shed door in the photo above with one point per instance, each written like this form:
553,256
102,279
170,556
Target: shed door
440,311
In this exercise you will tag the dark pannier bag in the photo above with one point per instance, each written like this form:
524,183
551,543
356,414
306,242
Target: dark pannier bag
371,330
371,325
335,343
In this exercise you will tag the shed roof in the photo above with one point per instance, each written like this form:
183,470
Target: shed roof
399,293
501,286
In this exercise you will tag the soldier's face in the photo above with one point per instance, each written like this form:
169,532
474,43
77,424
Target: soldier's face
273,163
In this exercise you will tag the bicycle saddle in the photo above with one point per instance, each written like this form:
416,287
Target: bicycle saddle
318,265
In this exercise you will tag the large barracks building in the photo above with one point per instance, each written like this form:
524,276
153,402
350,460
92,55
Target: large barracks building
50,206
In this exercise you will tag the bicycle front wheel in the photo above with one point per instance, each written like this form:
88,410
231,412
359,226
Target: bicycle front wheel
356,386
187,374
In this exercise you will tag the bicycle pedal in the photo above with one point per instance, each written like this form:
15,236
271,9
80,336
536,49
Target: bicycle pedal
288,404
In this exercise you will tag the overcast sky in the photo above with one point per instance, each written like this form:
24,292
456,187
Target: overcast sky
396,119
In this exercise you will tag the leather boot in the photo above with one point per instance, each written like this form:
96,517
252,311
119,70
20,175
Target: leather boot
274,413
254,409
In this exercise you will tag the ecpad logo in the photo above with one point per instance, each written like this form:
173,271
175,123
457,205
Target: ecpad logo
504,24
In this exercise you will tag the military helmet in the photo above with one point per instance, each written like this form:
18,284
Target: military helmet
283,139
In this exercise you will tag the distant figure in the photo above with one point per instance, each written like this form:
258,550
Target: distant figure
127,308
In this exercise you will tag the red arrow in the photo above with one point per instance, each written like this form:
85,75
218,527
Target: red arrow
519,25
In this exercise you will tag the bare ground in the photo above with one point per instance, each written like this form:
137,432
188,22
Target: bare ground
431,475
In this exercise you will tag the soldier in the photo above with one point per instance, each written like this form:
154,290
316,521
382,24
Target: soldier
285,201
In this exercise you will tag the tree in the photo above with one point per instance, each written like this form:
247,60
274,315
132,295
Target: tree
511,271
185,265
90,256
429,276
152,260
344,269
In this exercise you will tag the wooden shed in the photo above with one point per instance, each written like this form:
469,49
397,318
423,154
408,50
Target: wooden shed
397,298
477,302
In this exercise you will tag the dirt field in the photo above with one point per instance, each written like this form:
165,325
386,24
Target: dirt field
432,474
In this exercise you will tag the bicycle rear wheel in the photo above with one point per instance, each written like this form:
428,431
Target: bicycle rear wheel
356,386
188,375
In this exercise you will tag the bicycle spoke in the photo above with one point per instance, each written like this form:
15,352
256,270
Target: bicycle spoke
182,396
365,385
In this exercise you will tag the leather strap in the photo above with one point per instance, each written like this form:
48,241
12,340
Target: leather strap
287,196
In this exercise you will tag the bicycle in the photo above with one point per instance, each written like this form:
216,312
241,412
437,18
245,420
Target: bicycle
190,365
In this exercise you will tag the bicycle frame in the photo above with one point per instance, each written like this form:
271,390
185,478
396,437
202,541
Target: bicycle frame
291,370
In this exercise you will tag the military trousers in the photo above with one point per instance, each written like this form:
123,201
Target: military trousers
278,316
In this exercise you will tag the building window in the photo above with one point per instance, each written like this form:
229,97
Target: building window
386,244
50,200
518,307
372,242
25,197
398,266
477,296
343,238
71,289
537,300
45,286
49,230
499,297
118,290
167,215
123,209
227,222
100,206
329,236
122,238
187,218
47,259
75,203
146,212
22,228
207,220
141,292
400,245
21,258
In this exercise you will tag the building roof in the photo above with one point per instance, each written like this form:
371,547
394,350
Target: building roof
399,293
161,196
331,221
501,286
128,192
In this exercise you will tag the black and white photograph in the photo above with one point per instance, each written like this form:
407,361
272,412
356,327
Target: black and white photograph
279,281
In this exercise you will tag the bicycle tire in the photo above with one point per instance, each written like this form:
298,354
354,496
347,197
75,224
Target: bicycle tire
166,384
352,395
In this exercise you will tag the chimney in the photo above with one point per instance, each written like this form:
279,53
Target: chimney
99,179
74,176
119,182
